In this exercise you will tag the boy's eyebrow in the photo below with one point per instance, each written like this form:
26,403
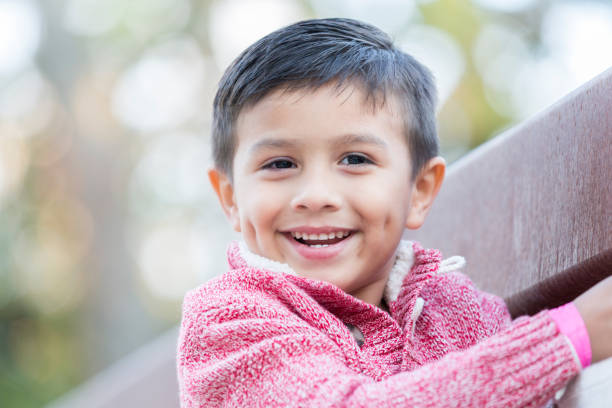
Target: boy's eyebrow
351,138
274,143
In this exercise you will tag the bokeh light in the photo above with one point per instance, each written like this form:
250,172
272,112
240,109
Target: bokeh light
511,6
439,52
14,161
173,170
91,17
174,258
577,35
20,34
236,24
164,88
28,101
389,15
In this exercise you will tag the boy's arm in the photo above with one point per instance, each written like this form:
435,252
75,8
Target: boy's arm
247,354
460,315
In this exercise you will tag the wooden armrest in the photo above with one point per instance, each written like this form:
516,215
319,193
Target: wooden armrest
562,287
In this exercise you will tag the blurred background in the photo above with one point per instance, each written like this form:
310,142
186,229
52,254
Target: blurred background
106,218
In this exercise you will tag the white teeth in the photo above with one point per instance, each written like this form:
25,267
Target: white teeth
319,246
320,237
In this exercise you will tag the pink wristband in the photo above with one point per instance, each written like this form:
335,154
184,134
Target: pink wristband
571,324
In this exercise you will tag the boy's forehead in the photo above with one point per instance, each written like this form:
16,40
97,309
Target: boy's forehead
348,93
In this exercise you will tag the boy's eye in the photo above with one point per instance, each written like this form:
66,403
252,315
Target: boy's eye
279,164
355,159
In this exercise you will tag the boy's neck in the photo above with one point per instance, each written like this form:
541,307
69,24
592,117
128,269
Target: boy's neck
373,294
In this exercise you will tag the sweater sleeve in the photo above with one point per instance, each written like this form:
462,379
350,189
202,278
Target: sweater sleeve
570,323
520,366
251,352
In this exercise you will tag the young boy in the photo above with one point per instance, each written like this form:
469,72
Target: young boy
325,150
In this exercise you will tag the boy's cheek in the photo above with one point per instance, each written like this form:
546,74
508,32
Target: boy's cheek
255,217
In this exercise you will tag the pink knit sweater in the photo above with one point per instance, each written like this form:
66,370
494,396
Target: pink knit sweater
265,337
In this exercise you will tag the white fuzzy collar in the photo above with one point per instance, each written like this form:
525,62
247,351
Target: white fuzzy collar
260,262
402,266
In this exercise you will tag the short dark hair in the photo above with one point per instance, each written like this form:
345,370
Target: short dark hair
313,53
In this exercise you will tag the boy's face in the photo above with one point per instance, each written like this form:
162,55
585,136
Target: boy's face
322,182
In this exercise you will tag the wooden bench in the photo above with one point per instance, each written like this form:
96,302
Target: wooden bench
531,212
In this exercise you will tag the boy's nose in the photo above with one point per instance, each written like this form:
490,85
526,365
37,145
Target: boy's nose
317,194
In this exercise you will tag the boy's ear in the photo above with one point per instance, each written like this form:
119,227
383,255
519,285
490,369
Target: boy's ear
222,185
424,190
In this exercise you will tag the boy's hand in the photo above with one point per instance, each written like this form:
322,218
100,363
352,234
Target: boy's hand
595,307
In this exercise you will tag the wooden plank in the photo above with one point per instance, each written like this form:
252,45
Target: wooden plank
534,201
145,378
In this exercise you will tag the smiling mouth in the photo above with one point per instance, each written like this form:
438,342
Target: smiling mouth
320,240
